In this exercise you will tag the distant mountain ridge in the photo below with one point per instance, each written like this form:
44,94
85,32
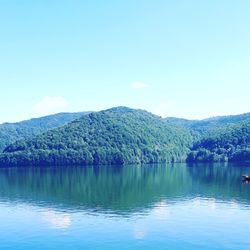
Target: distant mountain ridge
202,127
11,132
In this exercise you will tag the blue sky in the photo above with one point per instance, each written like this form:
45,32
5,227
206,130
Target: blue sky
174,58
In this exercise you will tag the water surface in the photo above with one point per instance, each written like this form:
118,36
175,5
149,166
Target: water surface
133,207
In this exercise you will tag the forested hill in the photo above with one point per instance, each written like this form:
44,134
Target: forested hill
228,143
224,138
123,136
11,132
115,136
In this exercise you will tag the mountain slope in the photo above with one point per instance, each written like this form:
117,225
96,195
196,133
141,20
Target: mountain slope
223,138
11,132
115,136
228,143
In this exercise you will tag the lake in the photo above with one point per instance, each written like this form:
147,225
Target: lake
155,207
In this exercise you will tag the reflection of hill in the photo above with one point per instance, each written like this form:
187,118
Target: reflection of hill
220,181
120,189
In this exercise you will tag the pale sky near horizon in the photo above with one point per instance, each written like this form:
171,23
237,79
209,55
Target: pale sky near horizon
179,58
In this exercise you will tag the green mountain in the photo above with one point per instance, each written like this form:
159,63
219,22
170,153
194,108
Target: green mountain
123,136
115,136
223,138
11,132
228,143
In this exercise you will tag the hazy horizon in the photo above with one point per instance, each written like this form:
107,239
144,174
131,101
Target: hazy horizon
187,59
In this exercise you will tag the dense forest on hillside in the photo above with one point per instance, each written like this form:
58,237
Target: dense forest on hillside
123,136
11,132
218,139
228,143
116,136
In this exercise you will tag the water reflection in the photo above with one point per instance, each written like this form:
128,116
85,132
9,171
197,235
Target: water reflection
121,189
134,207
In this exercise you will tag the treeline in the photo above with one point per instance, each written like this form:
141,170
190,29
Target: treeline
116,136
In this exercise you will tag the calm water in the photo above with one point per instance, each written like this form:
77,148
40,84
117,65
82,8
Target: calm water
133,207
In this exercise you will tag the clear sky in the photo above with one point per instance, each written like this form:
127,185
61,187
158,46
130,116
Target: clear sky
179,58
